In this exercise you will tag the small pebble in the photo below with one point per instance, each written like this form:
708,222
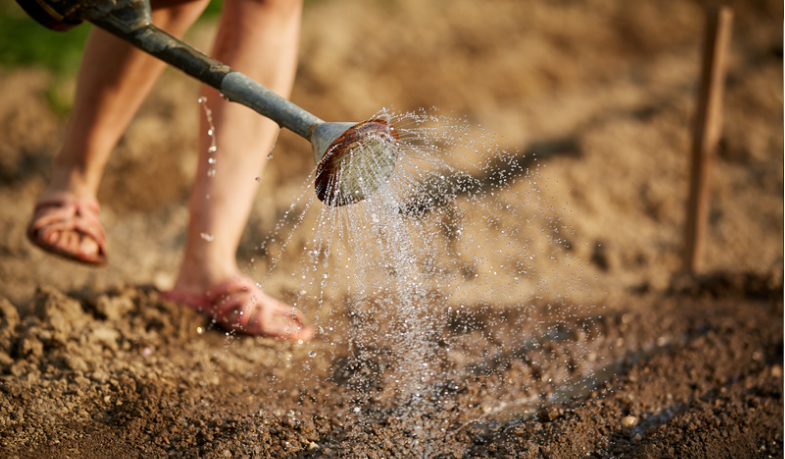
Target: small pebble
313,445
629,421
547,415
776,371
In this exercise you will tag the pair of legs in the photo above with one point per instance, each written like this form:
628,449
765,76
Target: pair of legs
256,37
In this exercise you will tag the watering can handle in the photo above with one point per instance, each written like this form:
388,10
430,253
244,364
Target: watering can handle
130,20
55,15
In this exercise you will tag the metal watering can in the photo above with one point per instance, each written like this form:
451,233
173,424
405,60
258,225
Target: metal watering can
353,159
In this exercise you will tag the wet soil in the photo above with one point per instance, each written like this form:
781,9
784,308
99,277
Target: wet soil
123,373
637,361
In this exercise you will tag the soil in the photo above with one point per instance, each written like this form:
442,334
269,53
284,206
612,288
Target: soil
638,360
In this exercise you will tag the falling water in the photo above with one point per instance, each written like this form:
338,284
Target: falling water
458,243
208,114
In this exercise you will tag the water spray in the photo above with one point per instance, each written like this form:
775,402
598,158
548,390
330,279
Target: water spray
353,159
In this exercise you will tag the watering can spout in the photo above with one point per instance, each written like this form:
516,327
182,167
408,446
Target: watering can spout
344,152
353,160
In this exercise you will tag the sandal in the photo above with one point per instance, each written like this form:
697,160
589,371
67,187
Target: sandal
234,305
67,214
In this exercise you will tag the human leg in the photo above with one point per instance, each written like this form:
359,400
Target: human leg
258,38
114,79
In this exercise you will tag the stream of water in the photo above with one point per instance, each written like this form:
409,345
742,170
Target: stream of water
407,282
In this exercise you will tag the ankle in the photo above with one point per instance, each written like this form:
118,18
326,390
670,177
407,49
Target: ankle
197,274
71,181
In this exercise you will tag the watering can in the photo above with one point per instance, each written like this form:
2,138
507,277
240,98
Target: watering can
353,159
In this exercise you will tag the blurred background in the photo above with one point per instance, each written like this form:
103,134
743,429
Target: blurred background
602,91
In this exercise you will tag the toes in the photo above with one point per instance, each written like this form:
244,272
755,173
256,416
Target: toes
49,237
71,242
68,241
291,324
87,245
246,309
276,319
69,228
59,239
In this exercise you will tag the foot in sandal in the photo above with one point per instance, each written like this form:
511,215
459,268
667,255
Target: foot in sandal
69,227
259,39
241,306
223,193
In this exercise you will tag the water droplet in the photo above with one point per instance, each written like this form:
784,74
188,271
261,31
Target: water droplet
199,330
392,268
212,149
211,172
207,236
211,160
270,155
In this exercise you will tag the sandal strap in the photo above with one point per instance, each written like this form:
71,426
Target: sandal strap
231,304
69,214
228,298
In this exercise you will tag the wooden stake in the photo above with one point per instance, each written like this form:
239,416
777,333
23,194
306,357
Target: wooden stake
708,128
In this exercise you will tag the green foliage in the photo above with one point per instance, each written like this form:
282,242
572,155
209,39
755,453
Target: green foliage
213,9
24,42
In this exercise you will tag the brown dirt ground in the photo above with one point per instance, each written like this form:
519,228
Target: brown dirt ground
93,363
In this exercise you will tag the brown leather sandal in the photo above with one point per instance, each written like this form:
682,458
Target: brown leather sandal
234,305
61,215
